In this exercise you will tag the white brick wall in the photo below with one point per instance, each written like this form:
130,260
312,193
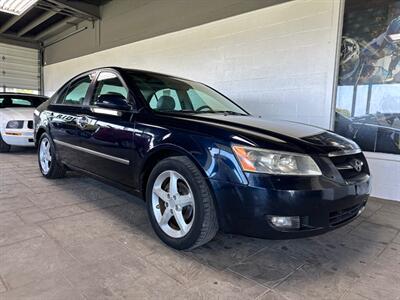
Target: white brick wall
385,170
277,62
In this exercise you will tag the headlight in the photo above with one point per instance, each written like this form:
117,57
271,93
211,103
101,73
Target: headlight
275,162
15,124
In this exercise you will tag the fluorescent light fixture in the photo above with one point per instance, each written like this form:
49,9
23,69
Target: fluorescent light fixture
16,7
395,37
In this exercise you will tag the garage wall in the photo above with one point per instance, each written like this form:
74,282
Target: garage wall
277,62
126,21
385,170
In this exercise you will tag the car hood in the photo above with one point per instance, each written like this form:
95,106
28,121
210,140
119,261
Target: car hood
16,113
299,134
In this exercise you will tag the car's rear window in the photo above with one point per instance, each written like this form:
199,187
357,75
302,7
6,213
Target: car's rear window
20,101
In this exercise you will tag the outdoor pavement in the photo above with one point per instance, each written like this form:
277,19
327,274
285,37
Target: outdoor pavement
76,238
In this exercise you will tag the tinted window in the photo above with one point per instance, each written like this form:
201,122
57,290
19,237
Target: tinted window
109,84
21,101
77,91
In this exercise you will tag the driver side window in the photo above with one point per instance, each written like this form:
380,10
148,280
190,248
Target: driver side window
108,84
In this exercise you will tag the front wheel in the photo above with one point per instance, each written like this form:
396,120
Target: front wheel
48,164
4,147
180,204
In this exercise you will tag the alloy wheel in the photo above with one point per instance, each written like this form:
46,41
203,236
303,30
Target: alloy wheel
45,155
173,204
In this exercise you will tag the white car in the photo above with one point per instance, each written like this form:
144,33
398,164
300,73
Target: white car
16,119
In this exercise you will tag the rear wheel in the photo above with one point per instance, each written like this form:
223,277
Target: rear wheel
180,204
4,147
49,166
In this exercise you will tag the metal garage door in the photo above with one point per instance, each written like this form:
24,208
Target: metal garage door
19,69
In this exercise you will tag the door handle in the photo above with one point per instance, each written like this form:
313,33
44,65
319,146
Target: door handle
82,121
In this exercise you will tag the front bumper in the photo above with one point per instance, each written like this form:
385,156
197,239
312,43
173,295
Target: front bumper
18,137
322,206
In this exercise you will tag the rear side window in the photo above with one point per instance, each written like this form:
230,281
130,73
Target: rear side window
76,93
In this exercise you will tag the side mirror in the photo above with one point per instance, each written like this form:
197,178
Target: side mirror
113,101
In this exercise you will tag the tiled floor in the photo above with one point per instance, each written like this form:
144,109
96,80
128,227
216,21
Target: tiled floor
76,238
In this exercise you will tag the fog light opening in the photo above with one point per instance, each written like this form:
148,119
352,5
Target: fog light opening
292,222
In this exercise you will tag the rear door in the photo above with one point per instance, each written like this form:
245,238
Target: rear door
64,118
107,134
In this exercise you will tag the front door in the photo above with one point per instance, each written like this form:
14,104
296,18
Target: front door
107,134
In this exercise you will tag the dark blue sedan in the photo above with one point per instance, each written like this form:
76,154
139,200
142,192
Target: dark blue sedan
201,162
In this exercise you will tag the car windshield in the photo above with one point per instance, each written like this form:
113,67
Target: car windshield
20,101
168,94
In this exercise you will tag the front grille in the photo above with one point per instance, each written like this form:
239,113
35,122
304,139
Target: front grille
343,215
30,124
345,165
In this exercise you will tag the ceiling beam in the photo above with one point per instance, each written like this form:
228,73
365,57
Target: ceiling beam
11,22
36,22
89,10
54,28
13,39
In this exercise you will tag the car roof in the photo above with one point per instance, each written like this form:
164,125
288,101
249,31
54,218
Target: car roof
120,69
22,94
151,73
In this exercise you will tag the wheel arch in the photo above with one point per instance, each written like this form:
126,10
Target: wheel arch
159,153
38,134
166,151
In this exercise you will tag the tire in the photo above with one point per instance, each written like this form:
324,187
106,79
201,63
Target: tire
54,169
4,147
200,214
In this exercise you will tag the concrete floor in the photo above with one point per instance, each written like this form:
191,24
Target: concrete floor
76,238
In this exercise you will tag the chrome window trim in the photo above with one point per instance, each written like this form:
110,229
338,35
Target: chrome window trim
99,154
